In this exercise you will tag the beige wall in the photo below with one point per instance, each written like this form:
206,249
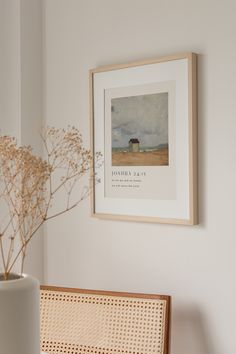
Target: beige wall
21,87
196,265
10,67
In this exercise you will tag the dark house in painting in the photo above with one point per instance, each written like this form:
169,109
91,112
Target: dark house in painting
134,145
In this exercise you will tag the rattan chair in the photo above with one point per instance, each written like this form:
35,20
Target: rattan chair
75,321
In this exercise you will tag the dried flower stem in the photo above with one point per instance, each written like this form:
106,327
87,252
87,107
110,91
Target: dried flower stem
30,186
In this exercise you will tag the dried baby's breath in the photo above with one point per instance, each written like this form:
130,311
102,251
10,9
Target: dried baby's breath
29,186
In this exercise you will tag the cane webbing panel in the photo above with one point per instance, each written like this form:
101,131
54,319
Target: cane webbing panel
83,323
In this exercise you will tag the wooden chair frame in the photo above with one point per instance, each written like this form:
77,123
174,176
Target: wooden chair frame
53,292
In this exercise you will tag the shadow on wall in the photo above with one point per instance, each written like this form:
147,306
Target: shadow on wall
190,334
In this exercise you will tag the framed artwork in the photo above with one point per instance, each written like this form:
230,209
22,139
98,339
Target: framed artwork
144,122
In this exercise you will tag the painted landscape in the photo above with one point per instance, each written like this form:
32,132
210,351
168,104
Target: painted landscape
140,130
151,157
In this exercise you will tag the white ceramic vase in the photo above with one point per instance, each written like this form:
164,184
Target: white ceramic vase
19,315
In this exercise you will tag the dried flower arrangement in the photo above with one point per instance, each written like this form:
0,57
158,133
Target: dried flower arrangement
29,186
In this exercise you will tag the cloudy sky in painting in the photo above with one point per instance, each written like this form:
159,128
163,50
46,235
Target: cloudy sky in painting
143,117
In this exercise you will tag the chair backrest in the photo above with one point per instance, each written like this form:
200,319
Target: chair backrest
76,321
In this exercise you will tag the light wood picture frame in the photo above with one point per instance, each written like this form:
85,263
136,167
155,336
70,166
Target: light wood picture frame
144,122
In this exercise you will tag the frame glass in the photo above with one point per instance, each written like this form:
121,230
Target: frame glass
144,122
